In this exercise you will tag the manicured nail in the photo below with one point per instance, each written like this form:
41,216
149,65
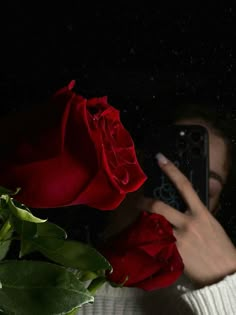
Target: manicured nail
161,158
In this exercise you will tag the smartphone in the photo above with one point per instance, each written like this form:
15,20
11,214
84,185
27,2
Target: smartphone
187,146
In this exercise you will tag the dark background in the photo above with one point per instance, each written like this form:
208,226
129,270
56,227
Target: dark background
144,58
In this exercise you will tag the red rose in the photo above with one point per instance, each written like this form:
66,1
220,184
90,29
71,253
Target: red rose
77,152
145,253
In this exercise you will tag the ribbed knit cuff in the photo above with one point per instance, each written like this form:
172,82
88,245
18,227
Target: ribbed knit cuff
216,299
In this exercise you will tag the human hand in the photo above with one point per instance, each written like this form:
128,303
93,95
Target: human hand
206,250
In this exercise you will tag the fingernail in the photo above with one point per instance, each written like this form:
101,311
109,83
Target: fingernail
161,158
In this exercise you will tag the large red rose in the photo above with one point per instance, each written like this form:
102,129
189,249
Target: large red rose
145,254
76,152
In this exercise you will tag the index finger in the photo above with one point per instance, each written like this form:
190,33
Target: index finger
182,183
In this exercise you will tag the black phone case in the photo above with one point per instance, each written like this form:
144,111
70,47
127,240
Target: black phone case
187,146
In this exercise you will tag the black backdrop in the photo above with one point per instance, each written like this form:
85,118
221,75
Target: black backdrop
140,56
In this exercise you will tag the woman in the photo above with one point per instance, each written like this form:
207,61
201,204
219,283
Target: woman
208,285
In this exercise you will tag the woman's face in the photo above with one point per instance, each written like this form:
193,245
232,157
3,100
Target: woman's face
217,162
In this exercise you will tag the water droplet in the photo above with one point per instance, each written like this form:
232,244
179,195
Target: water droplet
125,180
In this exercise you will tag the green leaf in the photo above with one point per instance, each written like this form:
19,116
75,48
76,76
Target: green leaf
71,254
6,231
49,229
25,229
4,213
74,312
5,191
5,245
31,231
40,288
23,214
4,248
26,248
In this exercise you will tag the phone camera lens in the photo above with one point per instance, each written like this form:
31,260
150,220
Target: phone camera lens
195,136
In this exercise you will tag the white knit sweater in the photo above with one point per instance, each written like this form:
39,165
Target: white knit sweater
179,299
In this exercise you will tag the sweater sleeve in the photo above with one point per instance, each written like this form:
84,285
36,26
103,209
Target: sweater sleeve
217,299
